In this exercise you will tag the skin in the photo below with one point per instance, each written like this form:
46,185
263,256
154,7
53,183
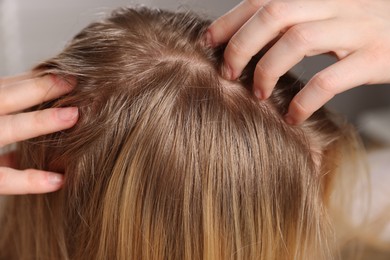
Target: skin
357,32
16,94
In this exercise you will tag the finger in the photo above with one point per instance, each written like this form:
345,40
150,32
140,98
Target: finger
28,125
265,25
222,29
305,39
20,95
13,79
341,76
28,181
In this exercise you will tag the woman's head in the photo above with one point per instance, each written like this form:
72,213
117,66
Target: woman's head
170,161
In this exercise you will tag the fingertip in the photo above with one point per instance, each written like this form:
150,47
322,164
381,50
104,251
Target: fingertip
289,119
50,182
66,82
28,181
39,182
68,114
258,94
216,34
227,72
296,115
266,95
55,179
265,84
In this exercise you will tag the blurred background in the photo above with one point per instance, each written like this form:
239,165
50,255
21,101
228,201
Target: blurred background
31,31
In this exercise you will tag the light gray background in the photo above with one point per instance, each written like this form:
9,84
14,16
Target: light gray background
31,31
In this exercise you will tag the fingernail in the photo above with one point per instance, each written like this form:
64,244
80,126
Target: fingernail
258,94
55,179
68,114
226,72
289,120
209,40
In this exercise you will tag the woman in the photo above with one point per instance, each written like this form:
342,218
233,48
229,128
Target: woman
170,161
347,20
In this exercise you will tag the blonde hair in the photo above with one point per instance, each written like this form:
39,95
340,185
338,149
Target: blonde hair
170,161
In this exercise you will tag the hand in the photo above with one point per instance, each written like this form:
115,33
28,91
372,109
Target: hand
357,32
16,94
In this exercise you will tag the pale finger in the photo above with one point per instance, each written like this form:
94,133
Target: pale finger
264,26
24,126
222,29
28,181
20,95
305,39
13,79
339,77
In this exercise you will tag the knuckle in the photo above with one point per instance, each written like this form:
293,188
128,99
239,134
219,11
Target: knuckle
43,120
236,48
326,83
264,71
299,110
42,84
374,55
273,11
299,35
30,176
32,180
39,118
223,24
255,3
5,101
8,133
